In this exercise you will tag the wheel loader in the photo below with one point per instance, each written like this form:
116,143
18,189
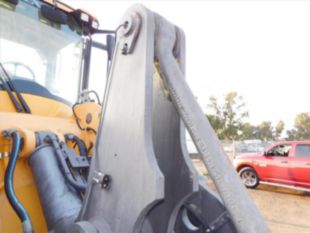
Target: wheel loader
70,163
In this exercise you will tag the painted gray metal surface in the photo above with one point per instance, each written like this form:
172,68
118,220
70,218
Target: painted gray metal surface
211,208
172,158
180,177
141,143
124,145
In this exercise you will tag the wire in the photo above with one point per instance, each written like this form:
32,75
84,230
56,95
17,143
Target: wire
91,145
120,26
16,104
8,181
25,107
102,31
65,169
86,92
78,142
77,120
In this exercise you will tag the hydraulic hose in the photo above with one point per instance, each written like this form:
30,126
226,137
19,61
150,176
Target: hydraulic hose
59,201
66,171
245,215
80,143
9,186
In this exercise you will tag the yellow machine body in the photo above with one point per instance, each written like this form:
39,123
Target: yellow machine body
47,115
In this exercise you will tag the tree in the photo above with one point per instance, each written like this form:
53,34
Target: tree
248,131
217,125
301,130
291,134
279,129
227,117
265,131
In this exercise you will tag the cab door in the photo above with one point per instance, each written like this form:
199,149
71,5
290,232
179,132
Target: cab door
277,164
300,165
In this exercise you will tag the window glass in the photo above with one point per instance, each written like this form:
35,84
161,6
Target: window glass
37,52
280,150
98,70
303,151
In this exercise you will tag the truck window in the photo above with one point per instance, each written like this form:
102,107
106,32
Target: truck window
280,150
303,151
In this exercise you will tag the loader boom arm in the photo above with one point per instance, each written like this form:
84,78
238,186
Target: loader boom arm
142,179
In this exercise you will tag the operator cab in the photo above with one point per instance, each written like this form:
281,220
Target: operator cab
44,48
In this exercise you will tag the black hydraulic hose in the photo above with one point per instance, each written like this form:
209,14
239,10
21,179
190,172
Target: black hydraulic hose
9,186
66,171
16,104
13,88
78,122
79,142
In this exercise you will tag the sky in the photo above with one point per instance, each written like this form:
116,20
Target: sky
260,49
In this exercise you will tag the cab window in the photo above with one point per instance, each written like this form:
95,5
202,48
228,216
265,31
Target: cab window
280,150
303,151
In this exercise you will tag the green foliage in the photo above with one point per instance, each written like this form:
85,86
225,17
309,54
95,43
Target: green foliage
279,129
227,117
248,131
227,121
301,130
217,125
265,131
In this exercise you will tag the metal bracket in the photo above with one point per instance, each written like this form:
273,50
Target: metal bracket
218,222
129,33
97,177
74,160
102,179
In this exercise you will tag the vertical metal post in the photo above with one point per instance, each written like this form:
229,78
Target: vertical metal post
86,63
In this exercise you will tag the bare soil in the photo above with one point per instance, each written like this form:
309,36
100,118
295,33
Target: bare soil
285,210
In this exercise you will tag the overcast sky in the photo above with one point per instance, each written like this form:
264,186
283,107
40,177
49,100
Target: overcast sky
260,49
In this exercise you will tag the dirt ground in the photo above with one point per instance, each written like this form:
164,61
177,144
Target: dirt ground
286,211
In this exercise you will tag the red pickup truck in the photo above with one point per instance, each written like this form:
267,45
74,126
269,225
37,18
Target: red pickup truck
285,163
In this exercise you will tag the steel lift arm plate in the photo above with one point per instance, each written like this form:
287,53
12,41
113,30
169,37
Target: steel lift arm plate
141,178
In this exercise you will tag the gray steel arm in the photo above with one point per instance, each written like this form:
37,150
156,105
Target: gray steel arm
242,209
141,146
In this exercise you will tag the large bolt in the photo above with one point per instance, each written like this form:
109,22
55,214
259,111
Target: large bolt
128,26
105,184
125,49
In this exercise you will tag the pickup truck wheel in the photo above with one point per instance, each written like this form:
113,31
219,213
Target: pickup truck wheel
249,177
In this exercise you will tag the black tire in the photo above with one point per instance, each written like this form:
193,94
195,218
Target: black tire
249,177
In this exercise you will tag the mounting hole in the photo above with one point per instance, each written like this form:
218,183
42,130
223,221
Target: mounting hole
190,221
89,118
